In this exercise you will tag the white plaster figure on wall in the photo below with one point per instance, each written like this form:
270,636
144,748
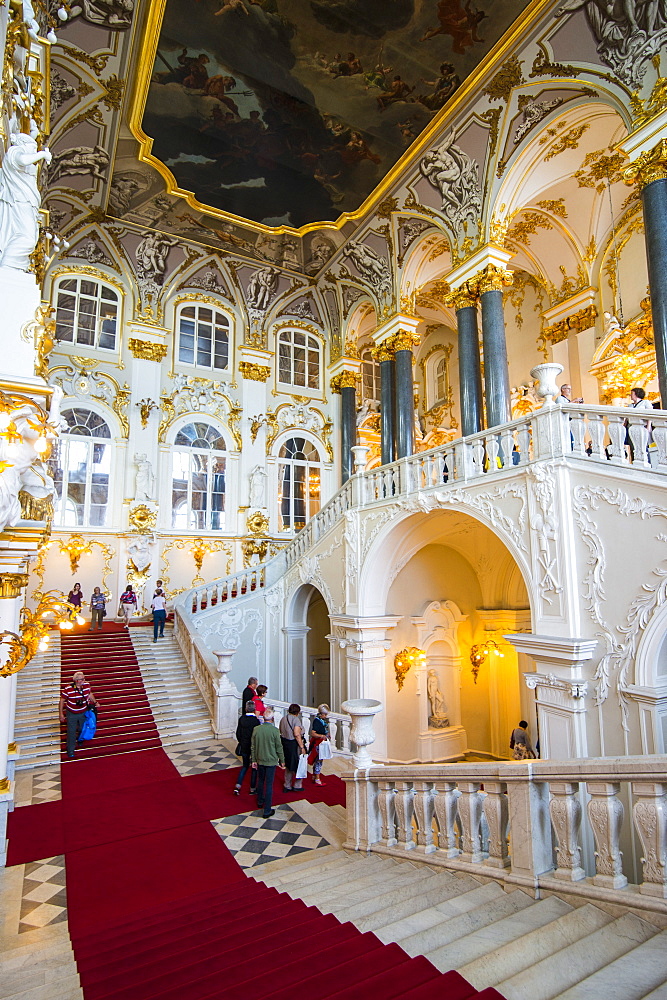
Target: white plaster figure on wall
20,201
144,482
257,486
436,699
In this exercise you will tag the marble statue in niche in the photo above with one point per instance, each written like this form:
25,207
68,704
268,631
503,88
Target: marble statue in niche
257,486
438,719
144,481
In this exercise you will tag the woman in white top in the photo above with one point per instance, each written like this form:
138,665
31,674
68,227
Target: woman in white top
159,609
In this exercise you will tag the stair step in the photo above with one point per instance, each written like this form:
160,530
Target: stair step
641,969
549,978
422,920
396,905
394,886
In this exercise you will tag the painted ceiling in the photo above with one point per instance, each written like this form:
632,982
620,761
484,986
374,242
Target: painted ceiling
290,112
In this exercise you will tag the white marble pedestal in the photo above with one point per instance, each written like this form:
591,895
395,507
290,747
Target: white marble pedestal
437,745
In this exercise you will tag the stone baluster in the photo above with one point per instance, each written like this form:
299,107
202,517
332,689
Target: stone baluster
446,812
404,805
345,739
496,810
596,431
507,446
523,435
650,816
424,802
385,800
578,432
465,461
660,438
638,431
616,431
470,811
478,456
605,814
492,451
565,812
333,732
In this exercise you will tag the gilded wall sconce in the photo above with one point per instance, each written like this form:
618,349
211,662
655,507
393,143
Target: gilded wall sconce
145,407
480,652
409,657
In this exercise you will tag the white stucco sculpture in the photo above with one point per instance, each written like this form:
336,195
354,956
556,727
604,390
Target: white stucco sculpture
20,201
139,551
257,486
145,480
27,471
438,717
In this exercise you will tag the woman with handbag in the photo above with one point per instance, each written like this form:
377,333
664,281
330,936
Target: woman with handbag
319,748
128,604
291,734
98,609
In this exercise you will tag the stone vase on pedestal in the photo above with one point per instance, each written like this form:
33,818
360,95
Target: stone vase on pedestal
361,711
227,696
545,375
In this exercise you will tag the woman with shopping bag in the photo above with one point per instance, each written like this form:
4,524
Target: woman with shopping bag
291,734
320,747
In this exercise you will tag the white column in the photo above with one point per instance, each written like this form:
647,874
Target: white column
560,691
366,660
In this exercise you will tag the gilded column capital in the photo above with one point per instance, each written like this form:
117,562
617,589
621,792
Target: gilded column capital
146,349
12,748
650,166
344,380
492,279
256,373
11,584
383,352
463,297
5,785
404,340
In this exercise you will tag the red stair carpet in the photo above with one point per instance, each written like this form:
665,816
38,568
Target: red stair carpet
157,905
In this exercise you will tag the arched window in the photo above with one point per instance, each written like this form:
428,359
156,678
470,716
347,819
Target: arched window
203,336
370,378
86,313
441,380
198,478
298,359
299,479
438,387
80,467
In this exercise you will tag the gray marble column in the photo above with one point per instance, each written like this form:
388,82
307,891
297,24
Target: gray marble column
654,202
405,403
470,373
496,369
387,391
348,429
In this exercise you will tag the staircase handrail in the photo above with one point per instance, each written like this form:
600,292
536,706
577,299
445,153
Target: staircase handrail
461,816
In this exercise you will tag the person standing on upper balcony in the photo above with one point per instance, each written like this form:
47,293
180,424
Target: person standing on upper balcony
566,395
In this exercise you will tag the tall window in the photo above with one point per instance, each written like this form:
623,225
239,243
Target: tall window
370,378
203,337
198,479
80,467
298,359
86,313
299,480
439,383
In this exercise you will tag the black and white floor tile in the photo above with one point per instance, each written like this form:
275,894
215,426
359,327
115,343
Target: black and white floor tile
254,840
44,897
201,757
46,785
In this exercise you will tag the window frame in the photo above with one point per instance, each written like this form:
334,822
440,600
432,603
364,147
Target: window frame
309,333
64,448
367,358
103,282
192,302
308,464
210,454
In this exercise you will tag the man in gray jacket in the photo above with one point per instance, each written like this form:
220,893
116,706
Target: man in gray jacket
266,751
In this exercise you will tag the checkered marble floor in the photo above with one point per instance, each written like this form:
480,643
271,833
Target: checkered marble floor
254,840
46,785
196,758
44,898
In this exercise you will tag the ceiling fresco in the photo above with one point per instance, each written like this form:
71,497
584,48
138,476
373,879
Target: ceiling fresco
290,112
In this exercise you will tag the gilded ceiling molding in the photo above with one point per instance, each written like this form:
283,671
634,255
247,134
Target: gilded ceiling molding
650,166
146,350
253,372
505,80
570,140
345,380
583,319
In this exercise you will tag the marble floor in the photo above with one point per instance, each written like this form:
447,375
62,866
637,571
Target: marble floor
254,840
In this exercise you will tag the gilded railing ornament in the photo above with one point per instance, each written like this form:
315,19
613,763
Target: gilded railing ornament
344,380
253,372
650,166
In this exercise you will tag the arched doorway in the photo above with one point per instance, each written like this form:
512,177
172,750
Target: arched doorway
308,675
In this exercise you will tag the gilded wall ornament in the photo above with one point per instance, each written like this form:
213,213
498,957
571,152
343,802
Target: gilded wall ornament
556,206
146,350
527,226
254,372
145,407
570,140
143,518
257,523
508,77
11,584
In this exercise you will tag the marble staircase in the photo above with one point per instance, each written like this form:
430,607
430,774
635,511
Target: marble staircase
492,935
37,730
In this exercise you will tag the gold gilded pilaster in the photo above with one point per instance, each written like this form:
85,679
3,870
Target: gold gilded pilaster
11,585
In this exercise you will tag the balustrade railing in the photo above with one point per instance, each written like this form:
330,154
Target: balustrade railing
339,725
525,823
599,434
